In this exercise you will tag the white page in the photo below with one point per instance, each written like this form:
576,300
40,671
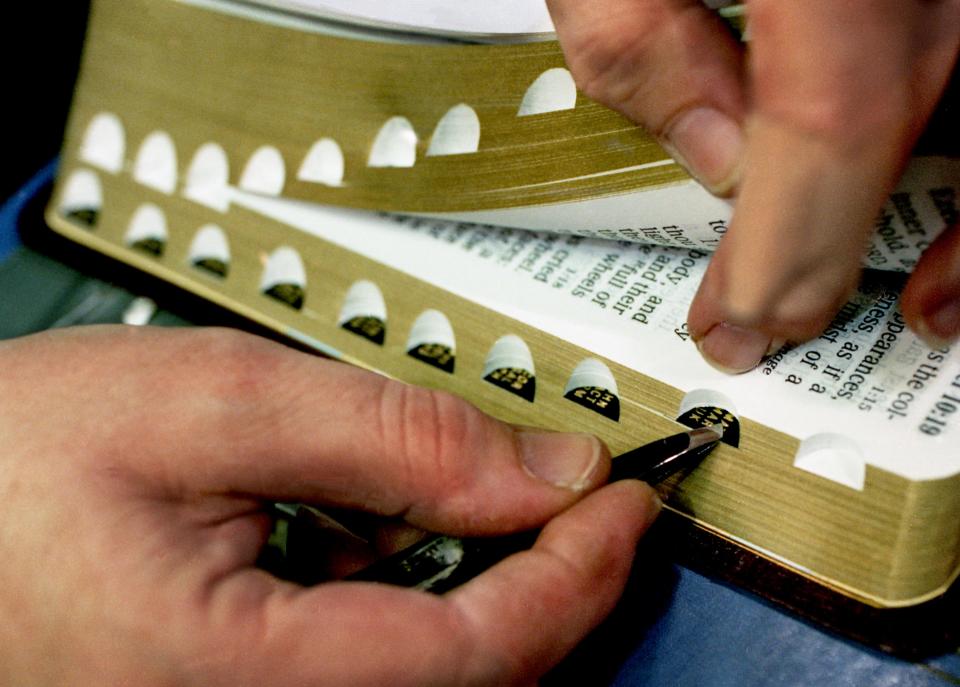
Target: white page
860,383
490,17
498,19
685,214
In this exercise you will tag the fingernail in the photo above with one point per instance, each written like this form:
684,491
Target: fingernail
563,460
656,505
708,144
775,346
734,349
941,326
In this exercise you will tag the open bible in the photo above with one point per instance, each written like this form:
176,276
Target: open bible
456,215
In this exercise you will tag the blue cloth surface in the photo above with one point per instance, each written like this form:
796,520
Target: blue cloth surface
11,209
713,636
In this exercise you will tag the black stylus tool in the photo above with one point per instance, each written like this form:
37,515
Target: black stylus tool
439,562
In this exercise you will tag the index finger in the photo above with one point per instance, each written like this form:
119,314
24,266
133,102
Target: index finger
840,94
508,625
669,65
191,414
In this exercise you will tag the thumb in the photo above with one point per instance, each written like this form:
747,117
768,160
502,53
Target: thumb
219,412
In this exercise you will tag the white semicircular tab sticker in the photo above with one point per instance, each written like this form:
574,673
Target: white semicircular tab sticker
834,456
705,407
432,341
82,198
553,90
265,172
104,143
509,366
364,312
457,132
591,372
147,230
210,251
593,386
395,145
323,164
156,163
208,178
284,277
706,398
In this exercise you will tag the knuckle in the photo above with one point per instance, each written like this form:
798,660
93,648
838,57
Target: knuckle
848,120
592,58
848,92
484,658
647,64
427,430
609,63
229,364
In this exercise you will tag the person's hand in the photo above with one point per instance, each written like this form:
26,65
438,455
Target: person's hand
810,128
134,468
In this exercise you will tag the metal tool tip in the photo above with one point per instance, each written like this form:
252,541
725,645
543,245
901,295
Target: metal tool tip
717,429
706,435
